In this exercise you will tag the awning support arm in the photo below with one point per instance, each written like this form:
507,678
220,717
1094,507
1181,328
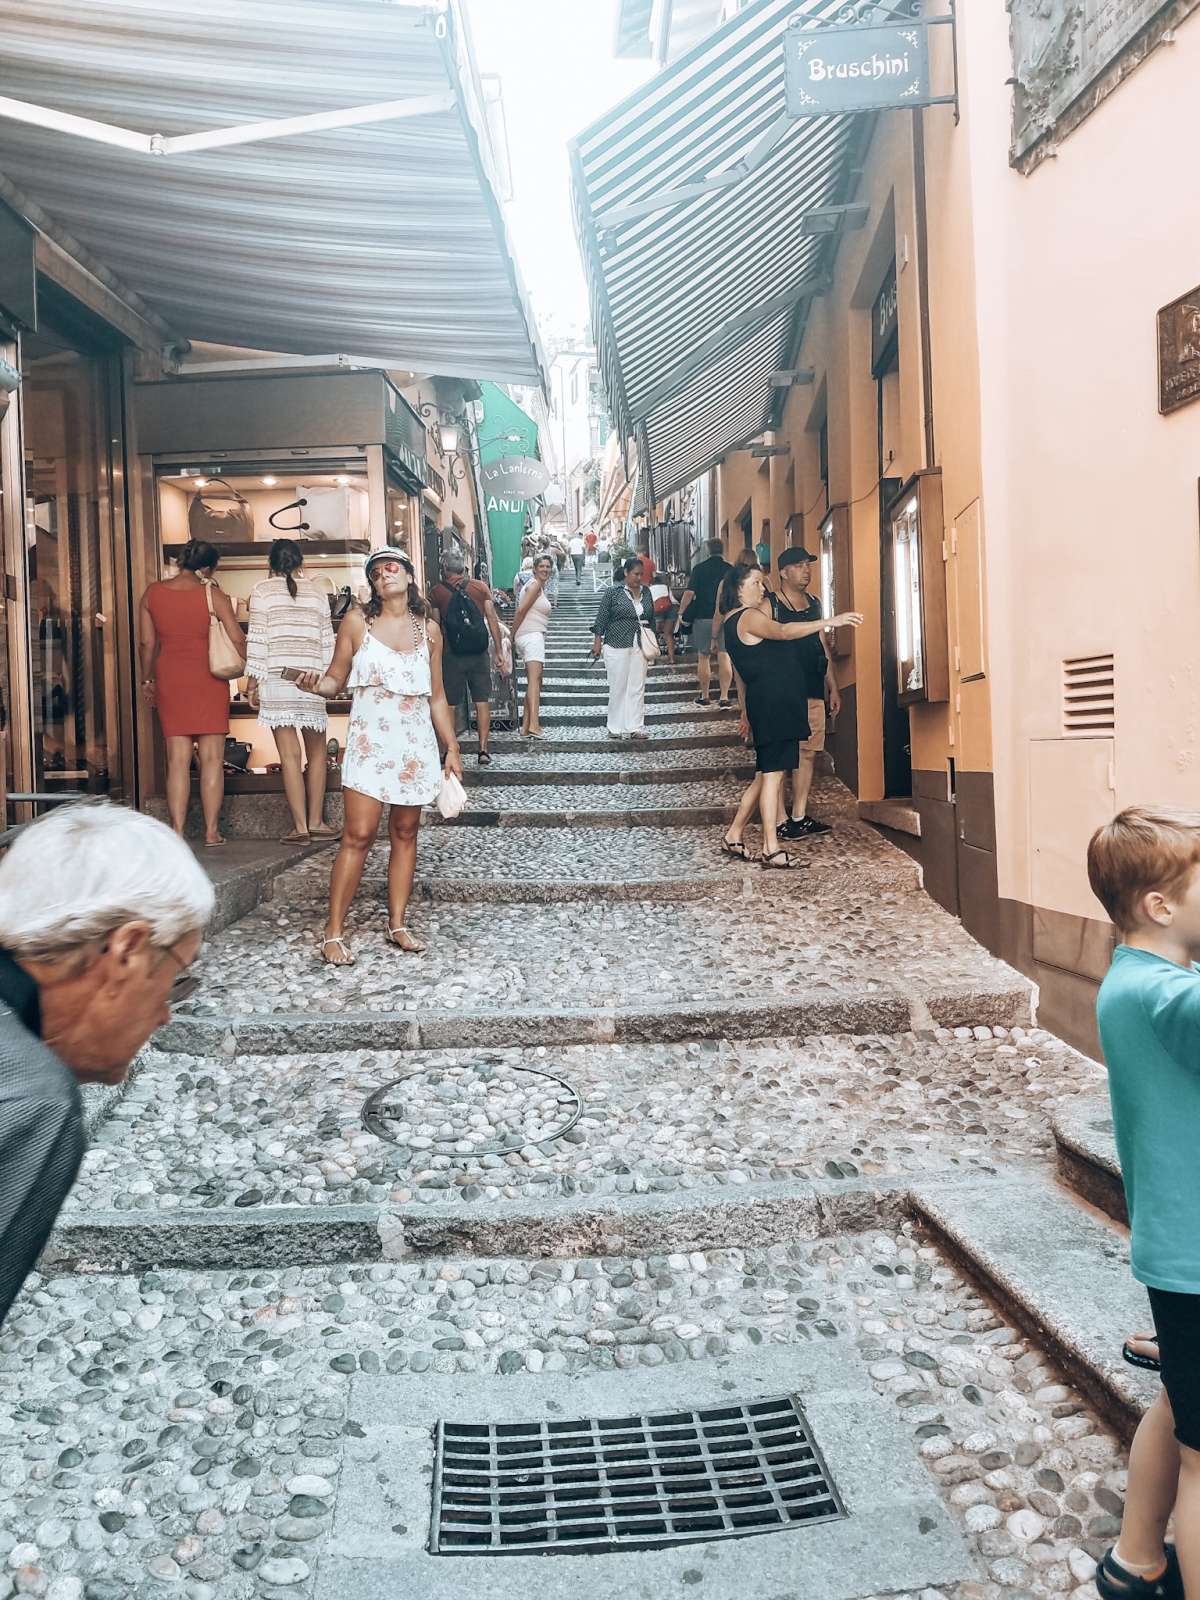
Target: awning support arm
757,154
156,144
744,321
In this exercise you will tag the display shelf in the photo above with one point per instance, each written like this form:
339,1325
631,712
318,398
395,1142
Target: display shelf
261,547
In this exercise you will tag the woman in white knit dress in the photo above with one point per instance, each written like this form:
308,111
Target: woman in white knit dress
290,627
390,658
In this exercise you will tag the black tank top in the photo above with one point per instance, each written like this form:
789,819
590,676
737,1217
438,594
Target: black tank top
776,696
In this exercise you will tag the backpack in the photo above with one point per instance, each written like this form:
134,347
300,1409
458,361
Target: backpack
466,630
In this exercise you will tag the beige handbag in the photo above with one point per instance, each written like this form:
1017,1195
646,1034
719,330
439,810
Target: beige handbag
223,658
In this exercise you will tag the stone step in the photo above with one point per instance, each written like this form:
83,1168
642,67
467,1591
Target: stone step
627,1147
539,865
670,803
583,714
1087,1155
868,959
580,738
1059,1269
595,693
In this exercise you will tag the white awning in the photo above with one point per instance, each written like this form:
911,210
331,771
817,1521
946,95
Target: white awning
368,222
705,214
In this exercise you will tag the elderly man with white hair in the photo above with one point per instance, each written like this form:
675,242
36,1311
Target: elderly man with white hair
102,912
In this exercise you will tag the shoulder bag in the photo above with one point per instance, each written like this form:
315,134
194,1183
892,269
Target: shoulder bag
223,658
647,636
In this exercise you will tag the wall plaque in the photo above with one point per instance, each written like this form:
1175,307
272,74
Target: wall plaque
1179,352
1068,55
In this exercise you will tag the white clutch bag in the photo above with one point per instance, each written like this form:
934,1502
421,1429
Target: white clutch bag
452,797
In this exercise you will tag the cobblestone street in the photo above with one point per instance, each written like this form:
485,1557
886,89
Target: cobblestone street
659,1110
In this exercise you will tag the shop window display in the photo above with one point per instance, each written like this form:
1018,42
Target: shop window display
241,507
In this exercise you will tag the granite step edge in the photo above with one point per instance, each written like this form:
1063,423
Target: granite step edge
1056,1268
1086,1153
848,1011
713,1217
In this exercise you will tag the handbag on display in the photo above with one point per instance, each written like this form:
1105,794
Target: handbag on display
340,600
223,658
237,755
218,512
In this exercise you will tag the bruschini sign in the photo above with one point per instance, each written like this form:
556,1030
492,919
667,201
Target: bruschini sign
514,477
838,70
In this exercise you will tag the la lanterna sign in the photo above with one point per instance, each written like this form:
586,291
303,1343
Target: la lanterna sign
833,71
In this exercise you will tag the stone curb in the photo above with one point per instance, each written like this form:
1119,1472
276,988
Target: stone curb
297,1032
1057,1270
1087,1155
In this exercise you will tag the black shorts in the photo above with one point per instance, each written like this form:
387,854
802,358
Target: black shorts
460,673
781,756
1177,1324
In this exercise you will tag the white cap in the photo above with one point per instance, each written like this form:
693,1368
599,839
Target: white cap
385,552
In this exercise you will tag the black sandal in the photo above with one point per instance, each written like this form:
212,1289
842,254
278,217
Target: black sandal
1115,1583
1145,1363
484,759
777,861
724,705
738,849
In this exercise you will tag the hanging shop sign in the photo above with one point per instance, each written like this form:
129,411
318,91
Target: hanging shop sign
885,322
1179,352
833,71
514,477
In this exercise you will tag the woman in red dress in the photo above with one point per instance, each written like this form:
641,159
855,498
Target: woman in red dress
192,705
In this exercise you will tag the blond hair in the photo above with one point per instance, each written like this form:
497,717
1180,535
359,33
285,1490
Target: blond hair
1141,850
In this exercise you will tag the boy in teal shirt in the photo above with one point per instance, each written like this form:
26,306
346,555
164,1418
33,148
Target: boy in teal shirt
1143,869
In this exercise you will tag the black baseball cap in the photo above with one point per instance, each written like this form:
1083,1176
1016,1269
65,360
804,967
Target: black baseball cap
789,557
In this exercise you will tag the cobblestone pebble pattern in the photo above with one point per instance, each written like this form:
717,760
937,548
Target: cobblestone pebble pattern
193,1133
185,1433
871,941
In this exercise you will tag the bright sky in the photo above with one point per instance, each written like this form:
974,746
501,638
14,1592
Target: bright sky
556,63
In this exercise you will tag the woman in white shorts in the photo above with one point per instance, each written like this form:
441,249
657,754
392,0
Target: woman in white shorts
529,642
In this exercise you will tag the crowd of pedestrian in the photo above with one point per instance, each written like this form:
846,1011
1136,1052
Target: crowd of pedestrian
768,646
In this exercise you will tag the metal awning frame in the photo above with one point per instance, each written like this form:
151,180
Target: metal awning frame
157,144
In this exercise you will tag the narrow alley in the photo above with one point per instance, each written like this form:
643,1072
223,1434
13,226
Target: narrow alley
664,1133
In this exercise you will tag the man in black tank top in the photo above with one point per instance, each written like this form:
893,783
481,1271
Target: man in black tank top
792,602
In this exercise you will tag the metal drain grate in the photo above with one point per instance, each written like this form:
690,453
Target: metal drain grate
627,1482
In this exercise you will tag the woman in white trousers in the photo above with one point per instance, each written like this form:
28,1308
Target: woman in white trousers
623,610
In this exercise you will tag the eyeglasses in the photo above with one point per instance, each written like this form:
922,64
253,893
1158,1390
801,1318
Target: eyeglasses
184,984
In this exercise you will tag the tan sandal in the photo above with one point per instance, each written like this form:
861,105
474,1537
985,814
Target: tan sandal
414,947
295,838
324,831
343,947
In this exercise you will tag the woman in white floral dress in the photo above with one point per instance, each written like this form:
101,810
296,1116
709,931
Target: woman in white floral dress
391,659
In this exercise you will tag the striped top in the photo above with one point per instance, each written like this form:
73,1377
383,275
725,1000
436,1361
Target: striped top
286,632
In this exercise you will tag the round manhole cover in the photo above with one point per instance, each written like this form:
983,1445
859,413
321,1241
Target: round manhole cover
475,1110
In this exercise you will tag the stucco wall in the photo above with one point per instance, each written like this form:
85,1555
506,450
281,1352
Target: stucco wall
1090,495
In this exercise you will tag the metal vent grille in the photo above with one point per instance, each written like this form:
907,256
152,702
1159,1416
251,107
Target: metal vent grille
627,1482
1089,697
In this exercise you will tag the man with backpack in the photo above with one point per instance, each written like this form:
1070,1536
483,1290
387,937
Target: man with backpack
468,617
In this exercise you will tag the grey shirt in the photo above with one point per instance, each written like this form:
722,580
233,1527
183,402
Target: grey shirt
41,1131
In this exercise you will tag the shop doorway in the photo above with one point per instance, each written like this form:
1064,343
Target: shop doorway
72,736
897,739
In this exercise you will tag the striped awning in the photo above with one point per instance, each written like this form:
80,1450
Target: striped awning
298,176
700,205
